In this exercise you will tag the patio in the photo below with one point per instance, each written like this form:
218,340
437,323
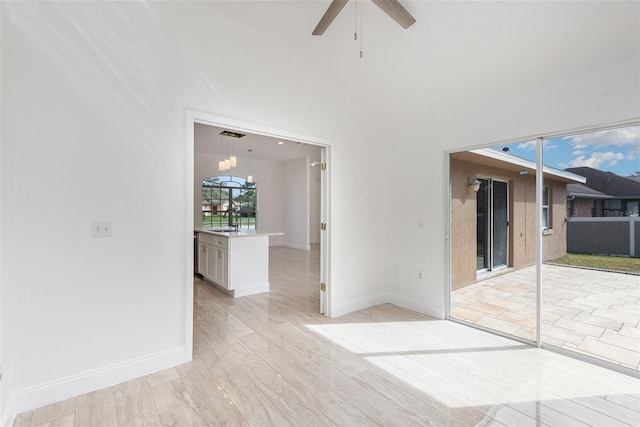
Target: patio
596,313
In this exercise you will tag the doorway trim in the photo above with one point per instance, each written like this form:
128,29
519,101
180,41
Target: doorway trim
191,118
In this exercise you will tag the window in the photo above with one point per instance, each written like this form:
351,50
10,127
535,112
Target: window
570,209
228,201
613,204
593,208
546,217
613,207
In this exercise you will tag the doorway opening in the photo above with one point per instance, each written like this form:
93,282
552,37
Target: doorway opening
303,180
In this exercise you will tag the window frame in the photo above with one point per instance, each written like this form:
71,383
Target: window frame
546,210
229,184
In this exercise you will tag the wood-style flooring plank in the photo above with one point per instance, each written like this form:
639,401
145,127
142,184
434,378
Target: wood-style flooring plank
96,409
134,404
175,406
52,413
213,404
272,360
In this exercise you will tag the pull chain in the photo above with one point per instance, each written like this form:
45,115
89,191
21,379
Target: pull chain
360,34
357,6
355,20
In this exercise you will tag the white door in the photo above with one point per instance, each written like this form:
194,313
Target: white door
324,234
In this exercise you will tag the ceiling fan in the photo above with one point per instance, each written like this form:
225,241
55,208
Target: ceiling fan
393,8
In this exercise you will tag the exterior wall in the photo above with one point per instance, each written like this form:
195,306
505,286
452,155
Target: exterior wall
554,241
463,224
582,207
522,219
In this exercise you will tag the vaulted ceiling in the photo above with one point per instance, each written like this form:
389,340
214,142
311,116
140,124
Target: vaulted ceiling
455,52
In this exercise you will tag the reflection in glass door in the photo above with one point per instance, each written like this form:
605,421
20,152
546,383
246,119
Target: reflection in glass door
492,224
492,209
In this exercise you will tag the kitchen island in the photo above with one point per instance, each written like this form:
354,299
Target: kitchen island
236,261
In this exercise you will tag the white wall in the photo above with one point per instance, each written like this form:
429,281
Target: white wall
93,128
295,203
590,98
96,131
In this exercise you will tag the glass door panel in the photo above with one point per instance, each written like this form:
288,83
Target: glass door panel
493,284
500,224
482,225
590,303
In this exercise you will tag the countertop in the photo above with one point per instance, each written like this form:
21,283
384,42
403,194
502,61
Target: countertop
242,232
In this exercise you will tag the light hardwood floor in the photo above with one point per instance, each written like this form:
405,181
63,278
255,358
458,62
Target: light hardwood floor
272,360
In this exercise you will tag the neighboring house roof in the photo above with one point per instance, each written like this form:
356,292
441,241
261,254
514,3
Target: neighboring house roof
582,191
608,182
634,178
510,162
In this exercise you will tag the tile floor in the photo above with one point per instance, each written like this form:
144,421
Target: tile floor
591,312
272,360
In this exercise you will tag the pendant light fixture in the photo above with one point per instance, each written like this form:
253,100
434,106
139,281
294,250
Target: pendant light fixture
250,177
232,159
221,165
228,158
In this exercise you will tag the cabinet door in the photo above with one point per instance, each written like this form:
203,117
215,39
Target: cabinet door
210,266
222,271
202,260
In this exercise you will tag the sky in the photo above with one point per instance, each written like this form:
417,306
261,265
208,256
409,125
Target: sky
612,150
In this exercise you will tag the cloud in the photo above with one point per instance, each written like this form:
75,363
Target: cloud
531,145
596,159
622,137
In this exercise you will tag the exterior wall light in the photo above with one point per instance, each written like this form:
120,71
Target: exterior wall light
474,184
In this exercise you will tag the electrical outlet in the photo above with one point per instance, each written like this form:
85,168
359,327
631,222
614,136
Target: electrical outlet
421,224
101,229
419,274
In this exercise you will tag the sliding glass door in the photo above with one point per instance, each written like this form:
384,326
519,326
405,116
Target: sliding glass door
492,224
568,231
490,286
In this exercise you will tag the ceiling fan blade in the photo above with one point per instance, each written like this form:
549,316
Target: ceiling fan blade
396,11
334,8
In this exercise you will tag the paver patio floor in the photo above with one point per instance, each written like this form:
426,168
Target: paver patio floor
596,313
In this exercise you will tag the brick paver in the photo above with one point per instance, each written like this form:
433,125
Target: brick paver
592,312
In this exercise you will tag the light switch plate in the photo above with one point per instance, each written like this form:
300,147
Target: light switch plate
101,229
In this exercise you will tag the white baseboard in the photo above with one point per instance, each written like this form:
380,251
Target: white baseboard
338,310
387,298
296,246
86,382
9,413
257,288
434,311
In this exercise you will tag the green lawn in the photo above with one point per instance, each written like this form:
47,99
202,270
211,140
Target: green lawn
613,263
220,221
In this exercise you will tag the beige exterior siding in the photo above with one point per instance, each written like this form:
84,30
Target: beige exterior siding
522,218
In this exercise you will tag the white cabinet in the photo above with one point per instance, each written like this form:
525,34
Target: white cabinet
221,271
238,263
202,260
213,259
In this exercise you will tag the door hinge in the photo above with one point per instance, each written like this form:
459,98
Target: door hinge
323,287
323,166
323,226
